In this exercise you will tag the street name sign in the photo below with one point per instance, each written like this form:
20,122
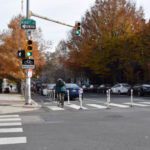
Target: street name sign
28,24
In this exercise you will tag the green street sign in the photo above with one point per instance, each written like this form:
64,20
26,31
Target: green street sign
28,24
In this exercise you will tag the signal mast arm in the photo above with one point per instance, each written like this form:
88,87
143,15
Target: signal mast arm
45,18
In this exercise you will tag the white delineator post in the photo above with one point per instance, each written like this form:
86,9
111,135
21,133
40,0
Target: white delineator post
54,95
28,87
108,98
131,105
80,98
68,96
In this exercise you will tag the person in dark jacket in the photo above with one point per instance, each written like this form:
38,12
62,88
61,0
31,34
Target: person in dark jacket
60,91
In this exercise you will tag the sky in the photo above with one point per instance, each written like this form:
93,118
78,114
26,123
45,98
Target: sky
67,11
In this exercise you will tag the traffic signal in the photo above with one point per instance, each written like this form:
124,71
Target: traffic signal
29,48
78,29
21,54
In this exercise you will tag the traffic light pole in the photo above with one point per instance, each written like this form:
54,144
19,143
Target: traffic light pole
48,19
28,79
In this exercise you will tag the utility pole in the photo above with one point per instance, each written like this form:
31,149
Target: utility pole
28,79
27,10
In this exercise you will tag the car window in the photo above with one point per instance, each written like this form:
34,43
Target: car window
50,86
117,85
102,85
126,85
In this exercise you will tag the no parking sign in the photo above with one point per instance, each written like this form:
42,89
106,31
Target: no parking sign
29,73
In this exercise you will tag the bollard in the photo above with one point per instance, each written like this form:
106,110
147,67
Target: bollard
131,105
68,97
54,98
108,98
80,98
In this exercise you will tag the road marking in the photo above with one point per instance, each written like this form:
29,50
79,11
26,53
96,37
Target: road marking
55,108
10,130
13,140
75,106
119,105
9,116
145,103
11,124
10,119
97,106
136,104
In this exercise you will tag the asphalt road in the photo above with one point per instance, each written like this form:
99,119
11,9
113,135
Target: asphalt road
93,129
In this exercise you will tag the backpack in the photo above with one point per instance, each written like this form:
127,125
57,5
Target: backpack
63,89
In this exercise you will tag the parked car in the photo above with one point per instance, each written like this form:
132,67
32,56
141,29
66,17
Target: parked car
73,90
141,89
92,88
103,88
120,88
85,88
48,88
7,90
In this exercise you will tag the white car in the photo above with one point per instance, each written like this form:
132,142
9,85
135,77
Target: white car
120,88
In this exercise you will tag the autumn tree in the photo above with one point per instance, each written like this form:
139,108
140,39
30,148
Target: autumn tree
11,41
109,45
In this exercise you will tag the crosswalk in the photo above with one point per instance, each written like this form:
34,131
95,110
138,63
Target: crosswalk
95,105
9,125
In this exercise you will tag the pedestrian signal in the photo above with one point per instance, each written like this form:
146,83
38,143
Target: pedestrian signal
21,54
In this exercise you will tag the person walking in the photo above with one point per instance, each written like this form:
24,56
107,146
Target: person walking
60,92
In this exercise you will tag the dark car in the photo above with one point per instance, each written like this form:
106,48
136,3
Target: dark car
92,88
141,89
103,88
73,90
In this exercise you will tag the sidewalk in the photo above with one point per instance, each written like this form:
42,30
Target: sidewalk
15,103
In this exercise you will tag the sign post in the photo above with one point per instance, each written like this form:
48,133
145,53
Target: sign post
28,63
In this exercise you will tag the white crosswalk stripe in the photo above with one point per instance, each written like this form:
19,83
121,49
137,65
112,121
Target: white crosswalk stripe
9,119
11,124
9,116
147,103
119,105
97,106
136,104
55,108
13,140
11,130
74,106
13,121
